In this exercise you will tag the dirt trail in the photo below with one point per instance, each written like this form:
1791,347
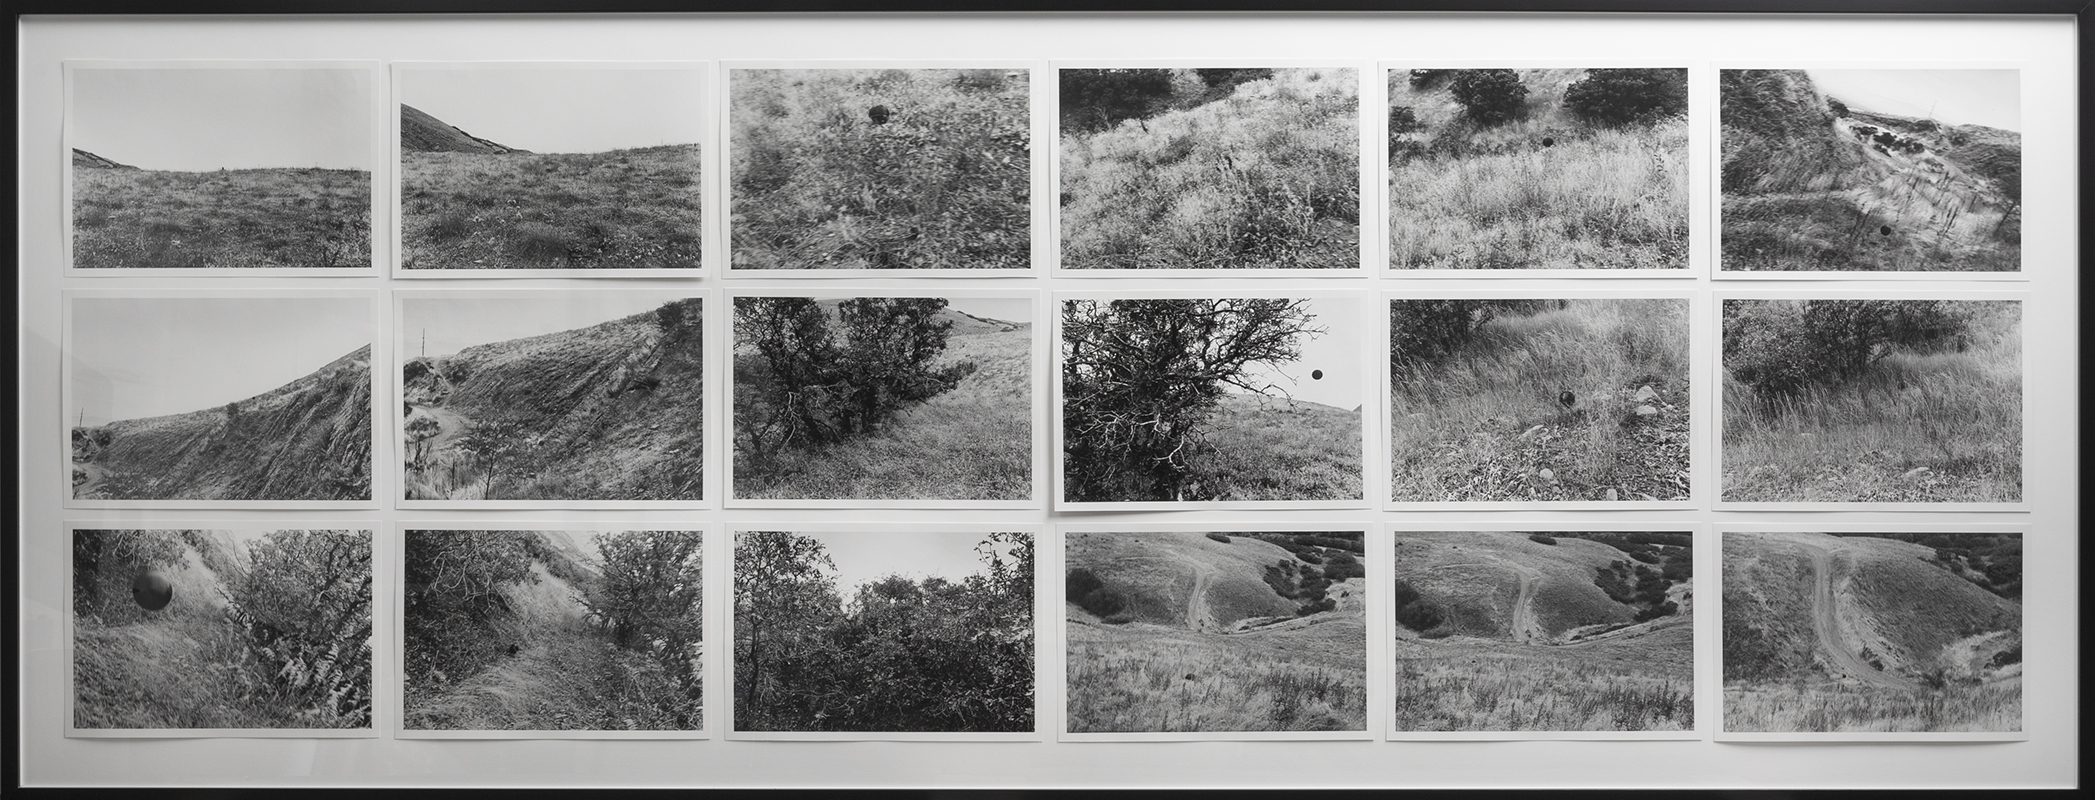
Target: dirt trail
1825,620
1197,601
1525,627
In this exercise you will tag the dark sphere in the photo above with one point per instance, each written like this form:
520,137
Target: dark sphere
1884,229
1316,374
1548,141
152,590
1567,399
878,114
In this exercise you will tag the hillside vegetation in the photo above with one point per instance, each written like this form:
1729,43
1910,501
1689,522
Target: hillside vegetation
1557,631
272,634
1574,169
1210,169
130,218
1872,400
880,169
973,441
609,412
1866,632
309,439
1814,183
1216,632
523,630
469,203
1539,400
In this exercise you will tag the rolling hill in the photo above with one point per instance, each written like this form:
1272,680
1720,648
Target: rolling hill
1814,183
612,411
82,158
422,133
309,439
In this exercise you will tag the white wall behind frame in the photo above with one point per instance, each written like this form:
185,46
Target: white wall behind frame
2043,46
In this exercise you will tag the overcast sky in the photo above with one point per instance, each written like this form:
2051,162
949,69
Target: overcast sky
146,357
1989,97
207,119
865,556
564,109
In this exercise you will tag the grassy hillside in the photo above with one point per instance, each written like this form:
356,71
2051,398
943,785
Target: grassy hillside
1546,190
127,218
1487,421
608,412
636,208
1810,185
1263,448
938,178
1913,427
1202,638
1868,634
1512,631
972,442
309,439
1265,176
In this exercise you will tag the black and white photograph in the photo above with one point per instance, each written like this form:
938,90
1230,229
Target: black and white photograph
235,398
880,167
552,632
1865,635
544,397
1171,400
545,166
1543,634
1524,400
220,632
220,165
884,400
1847,400
1223,168
884,632
1871,170
1538,169
1216,634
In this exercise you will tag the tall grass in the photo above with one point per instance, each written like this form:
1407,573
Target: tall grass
942,182
1267,177
972,442
1917,427
1482,689
1263,448
245,218
1485,422
620,209
1823,708
1162,680
1464,196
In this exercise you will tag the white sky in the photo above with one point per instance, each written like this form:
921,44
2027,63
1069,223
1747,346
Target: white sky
566,109
207,119
865,556
1989,97
456,323
1336,353
145,357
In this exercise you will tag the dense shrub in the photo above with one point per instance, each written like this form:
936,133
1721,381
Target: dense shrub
452,600
1220,537
1542,539
1416,612
1097,99
814,390
105,561
1423,332
1085,589
1490,96
1614,97
1781,348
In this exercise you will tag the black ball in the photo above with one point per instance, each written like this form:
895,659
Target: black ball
152,590
1316,374
878,114
1884,229
1548,141
1567,399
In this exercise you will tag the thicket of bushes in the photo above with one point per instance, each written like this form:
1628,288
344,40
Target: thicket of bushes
1489,96
1990,561
1615,97
1781,349
1089,592
812,384
1416,612
452,602
1423,333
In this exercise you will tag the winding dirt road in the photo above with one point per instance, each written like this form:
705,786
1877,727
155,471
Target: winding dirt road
1524,626
1825,620
1197,602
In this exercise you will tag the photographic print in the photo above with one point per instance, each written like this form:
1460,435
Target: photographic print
1496,169
1213,632
858,633
1212,169
1871,170
221,632
897,168
553,630
1521,632
892,399
1872,401
518,166
1175,400
1519,400
218,165
209,400
552,396
1872,633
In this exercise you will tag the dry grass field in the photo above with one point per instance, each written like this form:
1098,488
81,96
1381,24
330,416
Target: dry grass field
242,218
636,208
